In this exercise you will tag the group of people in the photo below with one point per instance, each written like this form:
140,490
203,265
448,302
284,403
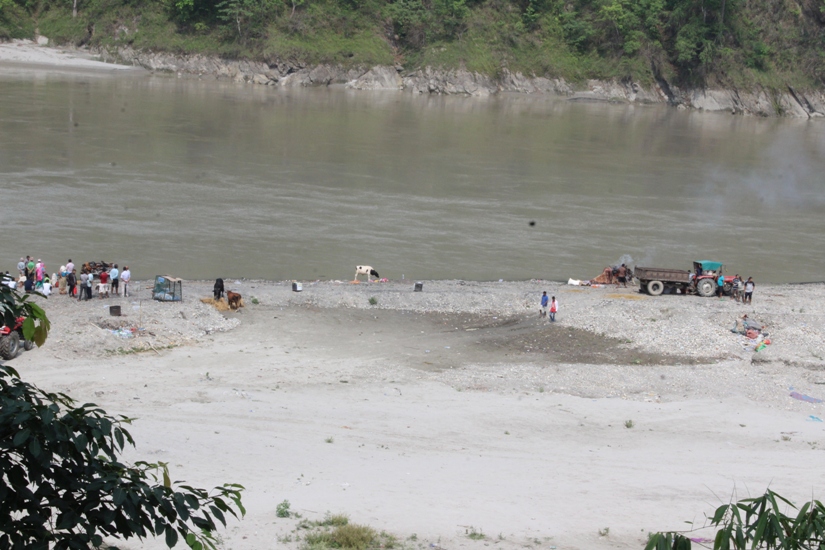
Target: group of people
33,277
549,307
741,290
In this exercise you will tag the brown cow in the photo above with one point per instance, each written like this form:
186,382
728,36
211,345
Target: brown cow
234,299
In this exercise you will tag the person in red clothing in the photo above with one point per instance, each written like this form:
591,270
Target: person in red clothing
103,288
554,308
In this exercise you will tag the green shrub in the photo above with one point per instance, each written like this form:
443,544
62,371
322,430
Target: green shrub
282,510
353,537
756,523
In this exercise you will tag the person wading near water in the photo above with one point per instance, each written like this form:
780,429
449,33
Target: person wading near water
554,308
749,286
544,300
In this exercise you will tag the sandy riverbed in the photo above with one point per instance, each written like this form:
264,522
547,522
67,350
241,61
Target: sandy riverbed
457,407
29,55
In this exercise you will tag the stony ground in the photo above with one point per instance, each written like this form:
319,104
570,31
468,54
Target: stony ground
595,325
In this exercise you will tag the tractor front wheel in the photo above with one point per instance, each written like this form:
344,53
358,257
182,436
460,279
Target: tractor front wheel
9,345
706,288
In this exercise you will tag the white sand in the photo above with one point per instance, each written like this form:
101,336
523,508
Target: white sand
25,53
433,432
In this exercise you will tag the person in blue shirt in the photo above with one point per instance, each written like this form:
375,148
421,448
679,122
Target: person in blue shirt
720,285
114,273
544,300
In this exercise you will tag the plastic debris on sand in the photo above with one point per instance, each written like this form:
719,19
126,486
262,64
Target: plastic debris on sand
126,332
805,398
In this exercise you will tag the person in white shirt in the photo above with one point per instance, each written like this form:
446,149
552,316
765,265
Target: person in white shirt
90,280
749,286
125,277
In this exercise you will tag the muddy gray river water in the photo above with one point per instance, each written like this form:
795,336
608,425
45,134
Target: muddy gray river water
204,179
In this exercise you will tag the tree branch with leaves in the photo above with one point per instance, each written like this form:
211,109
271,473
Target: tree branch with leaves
767,522
62,484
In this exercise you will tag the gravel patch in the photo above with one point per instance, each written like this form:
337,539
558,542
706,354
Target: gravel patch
689,328
685,326
84,329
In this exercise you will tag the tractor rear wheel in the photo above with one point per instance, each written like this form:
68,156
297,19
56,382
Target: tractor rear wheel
9,345
706,288
655,288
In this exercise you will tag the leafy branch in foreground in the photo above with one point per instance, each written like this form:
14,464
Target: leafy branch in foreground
13,305
757,524
62,485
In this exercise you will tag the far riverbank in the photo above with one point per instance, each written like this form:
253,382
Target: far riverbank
426,80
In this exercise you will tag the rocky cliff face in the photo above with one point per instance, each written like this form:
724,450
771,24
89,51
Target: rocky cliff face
428,80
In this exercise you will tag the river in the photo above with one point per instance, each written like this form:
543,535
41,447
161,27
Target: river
202,179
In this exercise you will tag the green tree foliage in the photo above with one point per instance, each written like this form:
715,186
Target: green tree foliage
236,12
689,41
410,20
13,305
15,21
63,485
249,17
758,524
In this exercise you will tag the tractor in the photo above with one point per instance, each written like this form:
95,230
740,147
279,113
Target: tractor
10,339
705,275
